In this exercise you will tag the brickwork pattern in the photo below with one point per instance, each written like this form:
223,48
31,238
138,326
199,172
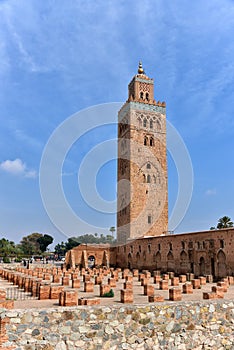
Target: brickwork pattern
142,164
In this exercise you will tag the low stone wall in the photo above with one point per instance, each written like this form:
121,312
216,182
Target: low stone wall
200,325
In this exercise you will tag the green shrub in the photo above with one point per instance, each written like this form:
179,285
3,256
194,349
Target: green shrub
110,294
6,259
18,259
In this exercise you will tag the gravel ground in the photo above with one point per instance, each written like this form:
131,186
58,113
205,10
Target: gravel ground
25,301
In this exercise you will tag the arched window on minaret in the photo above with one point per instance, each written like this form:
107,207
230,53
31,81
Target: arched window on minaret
141,95
148,166
144,178
145,123
151,124
147,96
145,141
139,122
151,141
148,179
158,125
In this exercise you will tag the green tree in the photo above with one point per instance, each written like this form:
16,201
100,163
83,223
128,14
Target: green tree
44,241
29,244
18,250
72,242
109,239
7,247
60,249
224,222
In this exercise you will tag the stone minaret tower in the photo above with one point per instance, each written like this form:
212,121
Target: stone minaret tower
142,163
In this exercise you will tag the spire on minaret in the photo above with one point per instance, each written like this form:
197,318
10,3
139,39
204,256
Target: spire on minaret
140,68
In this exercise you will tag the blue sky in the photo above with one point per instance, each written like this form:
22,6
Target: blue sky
59,57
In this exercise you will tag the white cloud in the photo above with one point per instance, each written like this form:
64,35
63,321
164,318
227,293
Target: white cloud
13,166
211,192
17,167
30,174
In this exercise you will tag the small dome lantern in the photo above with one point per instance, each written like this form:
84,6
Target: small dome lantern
140,68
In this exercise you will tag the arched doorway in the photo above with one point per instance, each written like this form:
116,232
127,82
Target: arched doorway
138,259
184,262
158,260
130,261
222,268
212,265
170,262
91,261
202,266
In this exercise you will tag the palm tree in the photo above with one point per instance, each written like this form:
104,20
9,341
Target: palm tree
224,222
112,230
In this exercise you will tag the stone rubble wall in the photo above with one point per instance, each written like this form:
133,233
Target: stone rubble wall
181,326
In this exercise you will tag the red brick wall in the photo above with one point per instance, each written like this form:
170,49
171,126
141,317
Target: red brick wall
103,254
208,252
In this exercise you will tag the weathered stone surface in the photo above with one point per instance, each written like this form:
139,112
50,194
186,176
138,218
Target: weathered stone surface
175,294
187,288
7,304
61,346
126,296
148,290
166,325
163,284
155,298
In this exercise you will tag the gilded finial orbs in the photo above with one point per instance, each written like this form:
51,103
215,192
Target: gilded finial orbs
140,68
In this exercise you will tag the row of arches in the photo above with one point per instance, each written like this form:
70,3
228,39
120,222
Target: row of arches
150,124
145,122
150,173
147,178
148,141
221,257
143,96
186,264
92,261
